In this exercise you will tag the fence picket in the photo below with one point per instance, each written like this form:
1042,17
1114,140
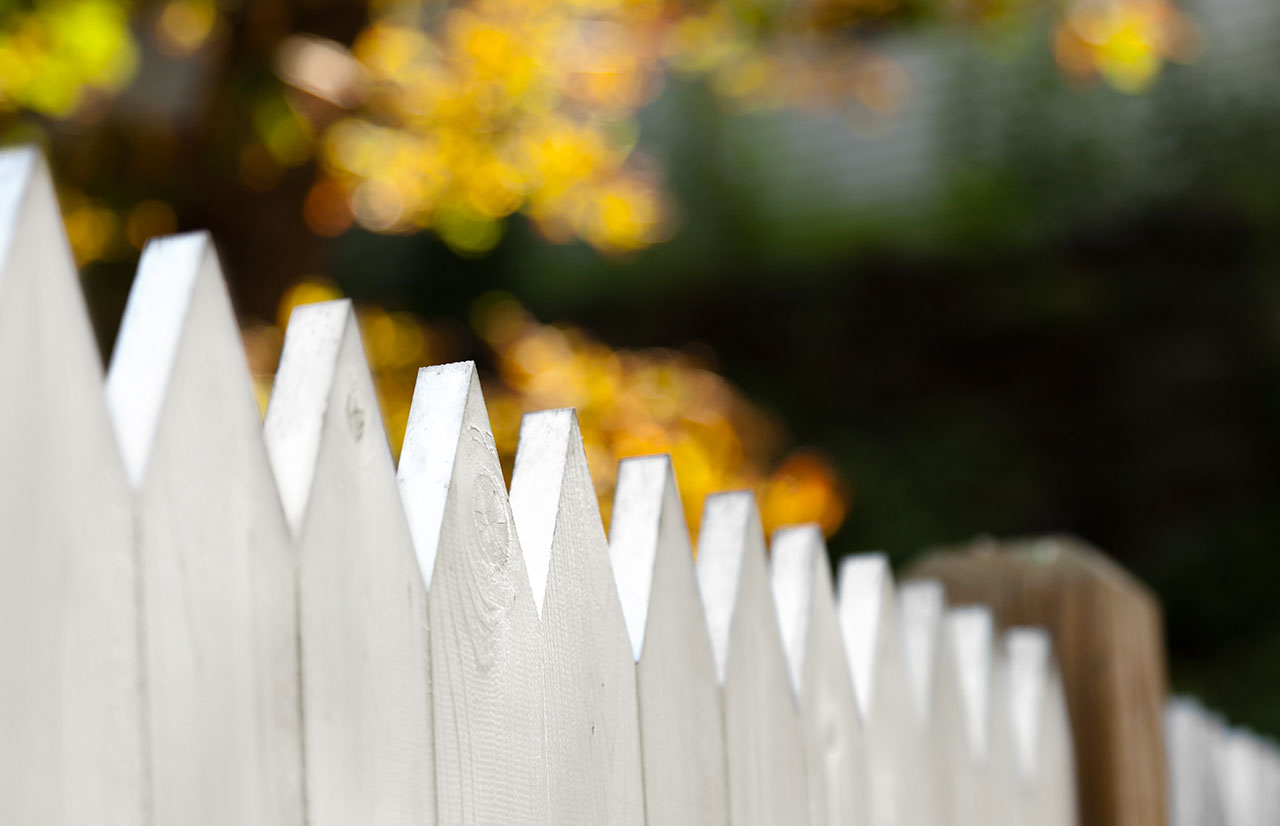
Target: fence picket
217,567
1190,734
362,603
592,728
486,654
946,764
764,747
873,644
70,703
179,581
1043,754
834,741
981,677
681,727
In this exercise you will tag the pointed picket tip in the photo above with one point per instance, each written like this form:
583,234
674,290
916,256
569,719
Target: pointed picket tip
1029,654
26,192
318,339
921,605
447,404
865,585
171,273
796,553
550,475
647,520
970,634
730,530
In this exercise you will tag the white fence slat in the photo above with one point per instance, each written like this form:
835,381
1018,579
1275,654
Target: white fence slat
1044,756
873,643
217,568
989,792
592,727
834,741
681,727
1245,765
1190,738
70,703
362,603
946,768
764,743
486,657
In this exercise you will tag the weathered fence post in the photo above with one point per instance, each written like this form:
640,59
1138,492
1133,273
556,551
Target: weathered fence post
218,591
834,740
681,724
70,701
592,728
362,602
486,649
1096,613
764,746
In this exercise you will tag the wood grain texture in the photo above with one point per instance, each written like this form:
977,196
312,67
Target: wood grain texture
835,744
1190,739
70,702
486,649
872,636
362,601
589,691
681,726
218,591
1096,614
1043,754
764,742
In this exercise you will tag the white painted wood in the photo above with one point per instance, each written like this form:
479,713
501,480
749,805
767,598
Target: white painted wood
362,602
218,593
70,706
935,695
1241,761
988,792
1190,735
681,727
946,769
1043,753
873,644
591,718
834,743
764,742
486,664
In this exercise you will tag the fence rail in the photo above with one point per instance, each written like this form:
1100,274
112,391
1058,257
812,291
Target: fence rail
210,619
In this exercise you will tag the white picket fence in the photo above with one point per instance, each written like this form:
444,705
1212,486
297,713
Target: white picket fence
206,619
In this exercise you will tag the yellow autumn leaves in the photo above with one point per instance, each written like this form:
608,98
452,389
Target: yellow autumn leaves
629,403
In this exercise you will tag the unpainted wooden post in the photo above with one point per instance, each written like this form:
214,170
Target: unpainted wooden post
592,728
873,644
363,611
1096,613
681,726
1190,738
486,650
834,741
1043,750
218,591
764,742
70,702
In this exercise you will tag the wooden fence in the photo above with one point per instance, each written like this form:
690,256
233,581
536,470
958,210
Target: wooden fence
207,619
